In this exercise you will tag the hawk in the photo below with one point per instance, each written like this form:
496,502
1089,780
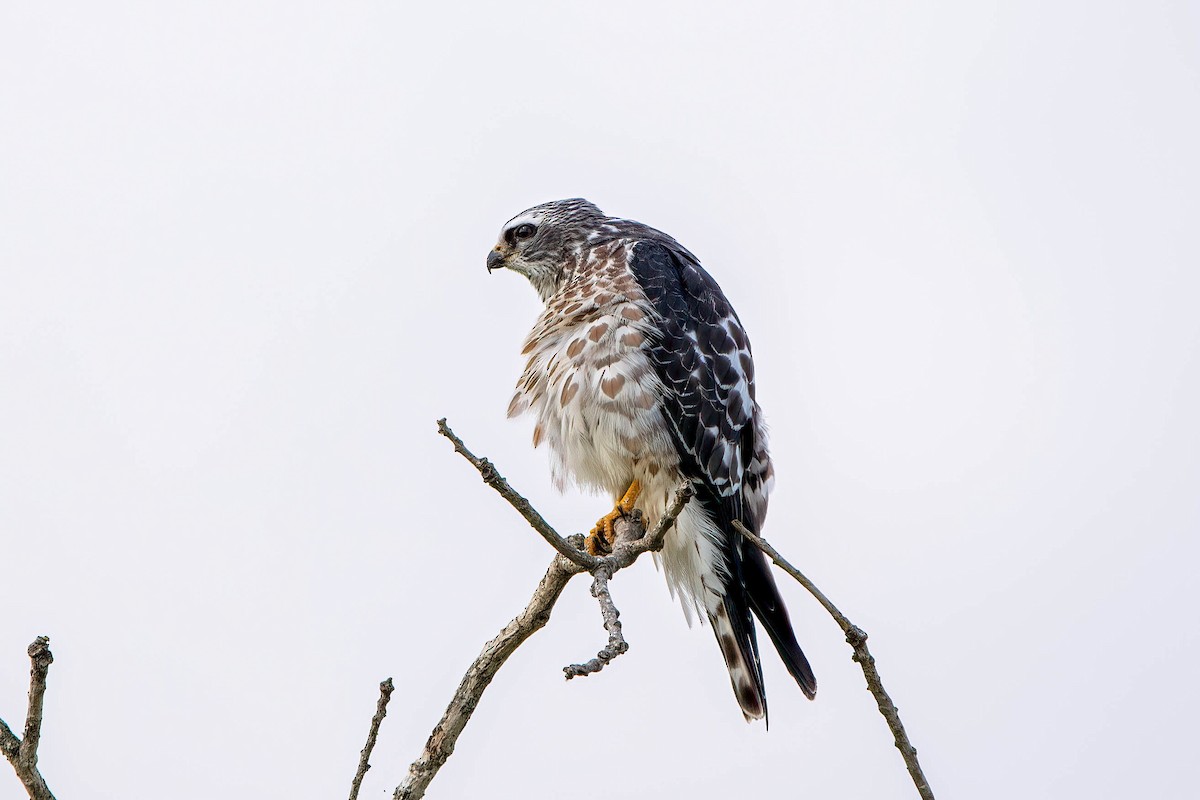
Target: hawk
639,376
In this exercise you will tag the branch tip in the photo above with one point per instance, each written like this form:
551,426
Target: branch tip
386,687
856,637
23,753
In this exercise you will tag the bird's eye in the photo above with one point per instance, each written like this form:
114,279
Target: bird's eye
524,231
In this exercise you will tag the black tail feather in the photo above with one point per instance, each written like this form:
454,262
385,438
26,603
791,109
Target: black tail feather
752,588
768,607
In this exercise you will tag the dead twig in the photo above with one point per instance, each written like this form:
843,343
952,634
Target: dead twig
630,543
22,753
612,623
385,694
857,639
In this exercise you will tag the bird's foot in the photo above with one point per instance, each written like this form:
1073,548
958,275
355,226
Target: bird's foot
602,537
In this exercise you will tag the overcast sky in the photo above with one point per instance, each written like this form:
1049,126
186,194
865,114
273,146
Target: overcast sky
242,273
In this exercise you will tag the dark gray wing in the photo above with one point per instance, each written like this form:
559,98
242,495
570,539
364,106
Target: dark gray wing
702,356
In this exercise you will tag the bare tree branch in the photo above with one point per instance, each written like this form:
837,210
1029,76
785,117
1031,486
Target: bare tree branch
440,745
493,479
857,639
385,694
22,753
631,542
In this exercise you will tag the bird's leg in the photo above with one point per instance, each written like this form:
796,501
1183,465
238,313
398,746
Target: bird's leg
600,540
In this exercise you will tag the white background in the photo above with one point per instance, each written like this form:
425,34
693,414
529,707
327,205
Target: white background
242,256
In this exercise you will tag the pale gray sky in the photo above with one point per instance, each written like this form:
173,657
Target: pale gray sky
242,255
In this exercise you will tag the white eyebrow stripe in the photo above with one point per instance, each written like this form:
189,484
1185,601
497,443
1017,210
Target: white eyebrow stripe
522,219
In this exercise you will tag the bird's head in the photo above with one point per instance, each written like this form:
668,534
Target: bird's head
541,242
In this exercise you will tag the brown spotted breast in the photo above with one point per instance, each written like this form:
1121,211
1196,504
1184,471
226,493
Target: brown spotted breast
588,381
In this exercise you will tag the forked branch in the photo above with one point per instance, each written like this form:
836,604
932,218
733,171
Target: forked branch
22,753
631,542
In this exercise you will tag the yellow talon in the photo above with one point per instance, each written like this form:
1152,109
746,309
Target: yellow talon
601,538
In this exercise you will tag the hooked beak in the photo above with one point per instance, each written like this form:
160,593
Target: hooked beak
495,260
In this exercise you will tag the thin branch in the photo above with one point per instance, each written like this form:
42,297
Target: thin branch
22,753
493,479
857,639
630,543
385,694
41,658
612,623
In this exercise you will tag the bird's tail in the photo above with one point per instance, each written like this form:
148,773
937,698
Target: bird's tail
734,629
750,587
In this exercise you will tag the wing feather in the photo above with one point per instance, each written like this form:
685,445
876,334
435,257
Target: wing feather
701,363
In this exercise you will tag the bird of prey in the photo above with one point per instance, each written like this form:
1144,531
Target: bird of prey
639,377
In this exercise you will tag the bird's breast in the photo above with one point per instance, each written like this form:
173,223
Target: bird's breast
593,391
